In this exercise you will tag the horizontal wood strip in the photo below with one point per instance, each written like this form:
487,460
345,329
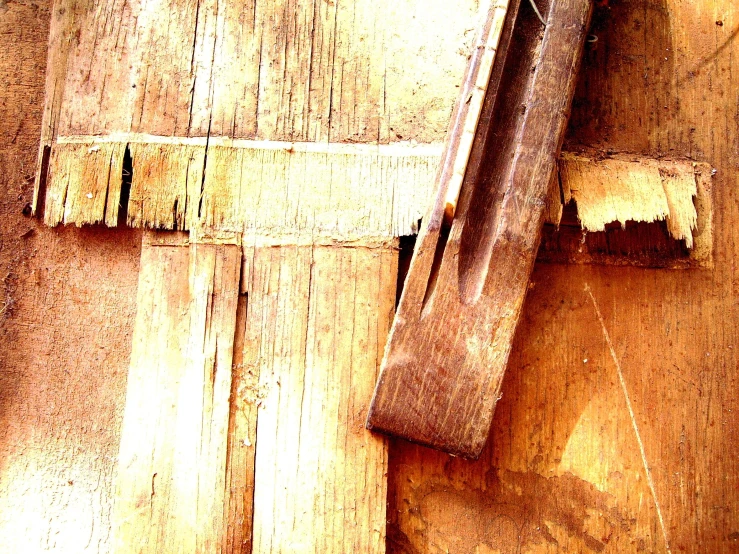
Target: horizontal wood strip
343,192
301,192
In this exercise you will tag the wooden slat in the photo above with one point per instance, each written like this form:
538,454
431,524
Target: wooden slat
316,325
171,478
450,341
335,190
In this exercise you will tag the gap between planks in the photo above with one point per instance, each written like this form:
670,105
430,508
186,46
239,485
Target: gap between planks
309,323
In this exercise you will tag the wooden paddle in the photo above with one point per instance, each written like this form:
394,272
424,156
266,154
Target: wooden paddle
452,334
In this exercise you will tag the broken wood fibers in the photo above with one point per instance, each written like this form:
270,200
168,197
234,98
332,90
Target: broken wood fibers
626,188
392,183
618,187
101,160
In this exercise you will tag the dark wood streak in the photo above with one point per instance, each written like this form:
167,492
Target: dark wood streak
449,345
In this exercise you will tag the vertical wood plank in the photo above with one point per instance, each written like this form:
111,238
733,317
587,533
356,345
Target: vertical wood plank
172,465
315,330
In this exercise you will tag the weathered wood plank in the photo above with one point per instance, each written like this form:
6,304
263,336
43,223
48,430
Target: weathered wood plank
170,486
316,325
332,191
563,469
450,341
293,70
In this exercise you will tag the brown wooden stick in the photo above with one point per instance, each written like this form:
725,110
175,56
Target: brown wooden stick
450,341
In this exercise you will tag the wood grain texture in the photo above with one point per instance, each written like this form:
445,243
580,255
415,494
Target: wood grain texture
316,324
295,70
563,469
622,190
66,338
372,190
376,190
170,488
450,341
627,190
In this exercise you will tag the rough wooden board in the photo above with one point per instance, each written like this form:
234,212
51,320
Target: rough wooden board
316,324
337,191
449,344
63,393
332,191
170,486
673,334
292,70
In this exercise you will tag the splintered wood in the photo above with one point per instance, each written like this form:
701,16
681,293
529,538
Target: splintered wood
625,188
384,186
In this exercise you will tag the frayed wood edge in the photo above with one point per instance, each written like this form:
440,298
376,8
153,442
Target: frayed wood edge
626,187
300,193
345,191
